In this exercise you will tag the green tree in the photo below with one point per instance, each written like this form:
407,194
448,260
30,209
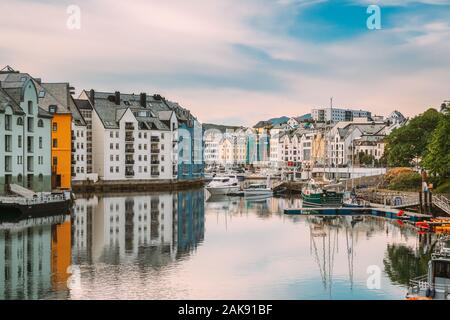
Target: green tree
408,144
437,159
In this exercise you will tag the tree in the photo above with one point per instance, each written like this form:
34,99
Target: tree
407,145
437,159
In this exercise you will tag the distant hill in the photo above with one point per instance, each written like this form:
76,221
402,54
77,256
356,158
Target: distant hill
283,119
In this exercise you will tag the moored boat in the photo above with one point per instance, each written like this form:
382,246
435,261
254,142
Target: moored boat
41,204
258,189
223,185
314,195
436,284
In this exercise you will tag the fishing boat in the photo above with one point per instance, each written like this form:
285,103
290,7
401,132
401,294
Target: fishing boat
223,185
436,284
316,196
34,205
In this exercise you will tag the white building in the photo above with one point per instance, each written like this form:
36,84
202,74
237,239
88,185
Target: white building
336,114
129,139
341,146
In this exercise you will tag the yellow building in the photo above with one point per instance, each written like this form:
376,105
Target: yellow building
56,99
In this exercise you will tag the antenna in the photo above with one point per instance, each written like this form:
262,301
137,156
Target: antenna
331,102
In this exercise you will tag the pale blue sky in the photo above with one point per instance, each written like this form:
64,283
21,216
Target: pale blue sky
238,62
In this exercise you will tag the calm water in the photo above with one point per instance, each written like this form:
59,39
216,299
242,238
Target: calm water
185,246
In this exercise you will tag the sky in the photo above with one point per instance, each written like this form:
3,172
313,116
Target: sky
237,62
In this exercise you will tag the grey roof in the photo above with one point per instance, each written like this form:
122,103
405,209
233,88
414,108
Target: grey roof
6,100
83,104
365,128
110,113
52,93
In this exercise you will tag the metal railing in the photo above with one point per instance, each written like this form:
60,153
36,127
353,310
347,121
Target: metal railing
442,202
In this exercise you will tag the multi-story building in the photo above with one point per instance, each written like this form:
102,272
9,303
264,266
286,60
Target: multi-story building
56,99
341,150
133,137
337,114
24,134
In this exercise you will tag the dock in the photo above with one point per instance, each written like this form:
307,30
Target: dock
389,213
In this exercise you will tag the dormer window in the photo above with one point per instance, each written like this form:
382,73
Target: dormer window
41,94
52,108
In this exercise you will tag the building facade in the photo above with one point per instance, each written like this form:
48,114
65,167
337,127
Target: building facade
337,114
24,135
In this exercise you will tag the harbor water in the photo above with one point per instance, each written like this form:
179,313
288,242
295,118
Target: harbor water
186,245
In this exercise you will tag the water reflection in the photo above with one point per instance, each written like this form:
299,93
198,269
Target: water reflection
184,245
151,229
34,257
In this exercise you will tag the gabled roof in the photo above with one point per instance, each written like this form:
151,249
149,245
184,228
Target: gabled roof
6,100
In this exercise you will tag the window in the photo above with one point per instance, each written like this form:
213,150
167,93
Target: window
19,178
55,143
111,146
55,126
19,121
162,168
8,143
117,146
8,164
30,125
162,135
55,161
117,157
30,107
40,142
117,134
40,123
41,94
111,158
140,135
8,126
111,169
117,169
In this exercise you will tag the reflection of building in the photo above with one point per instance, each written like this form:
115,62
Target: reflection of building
148,228
34,258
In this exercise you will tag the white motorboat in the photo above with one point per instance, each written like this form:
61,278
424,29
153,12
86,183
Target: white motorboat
257,189
223,185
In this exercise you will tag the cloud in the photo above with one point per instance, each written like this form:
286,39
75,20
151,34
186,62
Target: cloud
241,59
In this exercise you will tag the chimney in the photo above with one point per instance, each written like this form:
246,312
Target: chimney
143,100
92,96
117,97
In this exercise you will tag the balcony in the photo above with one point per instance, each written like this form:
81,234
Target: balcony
74,161
129,174
155,139
129,161
129,138
129,126
154,150
129,150
155,173
155,162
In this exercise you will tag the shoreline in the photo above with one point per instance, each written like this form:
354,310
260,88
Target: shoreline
136,186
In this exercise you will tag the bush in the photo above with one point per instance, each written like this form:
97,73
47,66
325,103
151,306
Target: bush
405,180
443,187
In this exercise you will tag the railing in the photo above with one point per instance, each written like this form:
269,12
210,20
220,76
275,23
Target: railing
155,162
129,174
129,138
442,202
129,126
129,161
154,150
130,150
33,201
421,283
155,139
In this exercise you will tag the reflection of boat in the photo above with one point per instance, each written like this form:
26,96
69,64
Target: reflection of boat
223,185
436,284
220,198
258,189
313,195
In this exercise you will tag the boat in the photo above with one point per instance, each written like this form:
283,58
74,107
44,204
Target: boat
435,285
223,185
41,204
258,189
316,196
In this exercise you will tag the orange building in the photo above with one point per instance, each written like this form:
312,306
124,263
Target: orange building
61,151
56,98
